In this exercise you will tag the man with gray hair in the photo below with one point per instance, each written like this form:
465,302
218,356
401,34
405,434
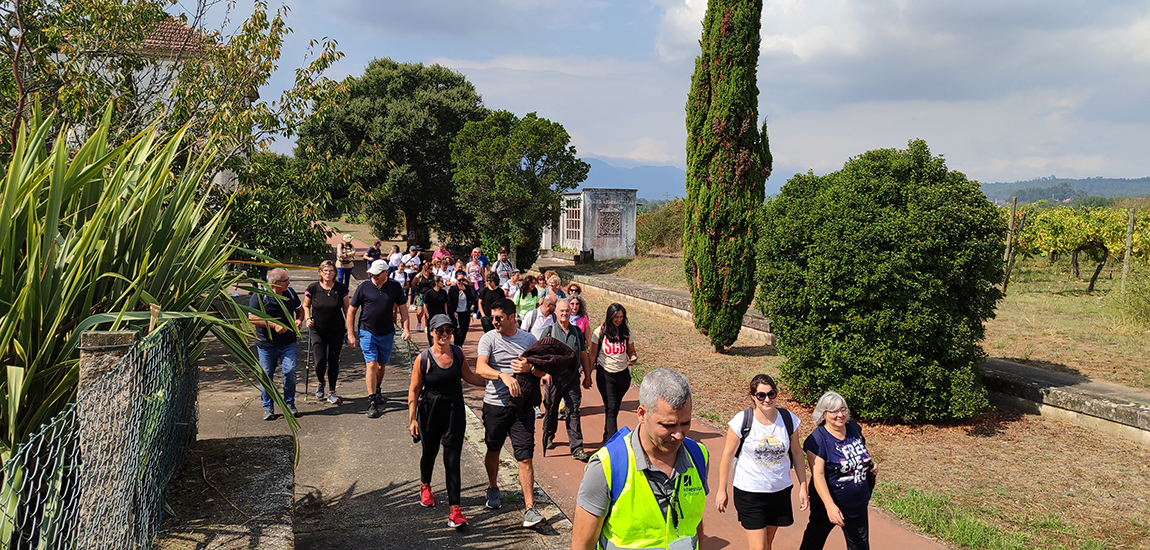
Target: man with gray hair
656,462
541,317
276,339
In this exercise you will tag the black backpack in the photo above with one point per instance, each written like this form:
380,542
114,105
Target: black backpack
788,423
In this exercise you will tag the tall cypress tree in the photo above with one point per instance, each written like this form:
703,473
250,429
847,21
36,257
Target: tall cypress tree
728,159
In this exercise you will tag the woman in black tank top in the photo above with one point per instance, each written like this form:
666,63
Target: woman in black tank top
435,411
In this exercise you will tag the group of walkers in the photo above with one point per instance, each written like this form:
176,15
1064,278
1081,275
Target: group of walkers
538,350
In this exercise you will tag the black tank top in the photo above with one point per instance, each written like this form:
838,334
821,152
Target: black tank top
445,381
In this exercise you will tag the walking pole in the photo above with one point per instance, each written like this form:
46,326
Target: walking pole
307,366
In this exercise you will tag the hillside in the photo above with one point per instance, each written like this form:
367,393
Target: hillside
1057,189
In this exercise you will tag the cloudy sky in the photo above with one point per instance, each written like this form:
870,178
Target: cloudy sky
1004,89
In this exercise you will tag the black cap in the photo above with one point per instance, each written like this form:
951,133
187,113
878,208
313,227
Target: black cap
439,320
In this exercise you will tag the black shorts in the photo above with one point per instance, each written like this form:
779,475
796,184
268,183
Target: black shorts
758,510
500,422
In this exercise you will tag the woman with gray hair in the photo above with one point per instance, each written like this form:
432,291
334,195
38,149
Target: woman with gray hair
843,475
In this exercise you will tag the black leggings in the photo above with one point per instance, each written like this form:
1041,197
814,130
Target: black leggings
612,387
856,530
441,422
326,350
462,323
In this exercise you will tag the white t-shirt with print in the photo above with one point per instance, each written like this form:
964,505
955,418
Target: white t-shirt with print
763,466
613,357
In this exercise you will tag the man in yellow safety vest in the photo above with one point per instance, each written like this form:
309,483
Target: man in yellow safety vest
647,488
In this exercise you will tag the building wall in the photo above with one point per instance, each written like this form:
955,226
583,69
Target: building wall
609,222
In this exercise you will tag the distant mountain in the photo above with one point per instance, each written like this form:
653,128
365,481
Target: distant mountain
651,182
1058,189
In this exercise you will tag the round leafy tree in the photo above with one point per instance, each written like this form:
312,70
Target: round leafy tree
877,279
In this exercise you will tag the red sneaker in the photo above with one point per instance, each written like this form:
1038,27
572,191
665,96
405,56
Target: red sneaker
425,497
455,518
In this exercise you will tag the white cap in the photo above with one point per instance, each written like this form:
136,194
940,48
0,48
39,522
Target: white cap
377,267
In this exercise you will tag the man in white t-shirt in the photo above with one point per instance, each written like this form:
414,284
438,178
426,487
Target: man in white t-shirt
541,317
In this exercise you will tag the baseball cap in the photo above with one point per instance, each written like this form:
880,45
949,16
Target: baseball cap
377,267
439,320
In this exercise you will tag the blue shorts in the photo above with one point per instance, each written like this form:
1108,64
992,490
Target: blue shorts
376,348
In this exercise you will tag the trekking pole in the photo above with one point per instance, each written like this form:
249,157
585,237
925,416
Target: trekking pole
307,366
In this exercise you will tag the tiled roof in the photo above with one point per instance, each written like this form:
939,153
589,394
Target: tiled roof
174,37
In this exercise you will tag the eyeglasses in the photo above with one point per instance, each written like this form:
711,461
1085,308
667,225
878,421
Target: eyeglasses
498,318
839,411
765,395
444,330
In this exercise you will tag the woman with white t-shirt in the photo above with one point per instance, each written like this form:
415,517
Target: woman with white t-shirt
759,446
614,352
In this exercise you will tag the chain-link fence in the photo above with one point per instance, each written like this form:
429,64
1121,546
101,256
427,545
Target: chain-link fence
97,475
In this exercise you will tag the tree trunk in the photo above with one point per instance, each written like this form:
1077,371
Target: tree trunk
1074,263
1105,256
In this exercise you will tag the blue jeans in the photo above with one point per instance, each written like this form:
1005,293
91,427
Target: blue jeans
284,357
343,275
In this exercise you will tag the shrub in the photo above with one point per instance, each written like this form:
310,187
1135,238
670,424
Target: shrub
660,230
878,279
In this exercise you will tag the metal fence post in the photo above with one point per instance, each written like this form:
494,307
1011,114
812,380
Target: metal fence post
104,423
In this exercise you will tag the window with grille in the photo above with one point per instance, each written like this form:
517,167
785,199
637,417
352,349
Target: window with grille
574,229
610,224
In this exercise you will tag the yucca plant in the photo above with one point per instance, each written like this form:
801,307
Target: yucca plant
92,238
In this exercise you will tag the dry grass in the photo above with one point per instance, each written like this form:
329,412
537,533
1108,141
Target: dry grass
664,270
1048,320
1030,481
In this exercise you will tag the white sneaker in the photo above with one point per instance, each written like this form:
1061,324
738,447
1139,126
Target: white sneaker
333,398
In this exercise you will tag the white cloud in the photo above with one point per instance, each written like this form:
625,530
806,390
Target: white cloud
679,29
574,66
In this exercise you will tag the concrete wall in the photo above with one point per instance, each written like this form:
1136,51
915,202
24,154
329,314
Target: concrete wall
609,222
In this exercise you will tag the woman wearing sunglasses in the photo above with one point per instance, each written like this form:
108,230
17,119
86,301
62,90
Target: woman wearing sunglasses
435,412
760,441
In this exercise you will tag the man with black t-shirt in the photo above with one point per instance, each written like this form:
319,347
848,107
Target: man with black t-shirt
379,298
275,342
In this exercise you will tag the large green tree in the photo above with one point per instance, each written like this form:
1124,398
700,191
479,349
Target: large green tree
511,174
75,58
728,160
878,279
391,138
273,210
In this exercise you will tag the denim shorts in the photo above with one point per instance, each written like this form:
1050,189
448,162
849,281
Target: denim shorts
376,348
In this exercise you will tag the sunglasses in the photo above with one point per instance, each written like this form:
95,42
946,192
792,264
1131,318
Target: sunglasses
498,318
442,330
765,395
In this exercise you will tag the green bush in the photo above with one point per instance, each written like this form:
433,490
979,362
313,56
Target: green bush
660,230
878,279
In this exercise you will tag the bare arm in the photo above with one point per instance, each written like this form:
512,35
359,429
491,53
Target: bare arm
585,532
413,397
470,376
403,317
349,321
818,473
726,472
307,311
484,369
632,357
800,472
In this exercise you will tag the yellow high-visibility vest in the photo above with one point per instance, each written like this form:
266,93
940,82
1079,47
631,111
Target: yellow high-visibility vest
635,519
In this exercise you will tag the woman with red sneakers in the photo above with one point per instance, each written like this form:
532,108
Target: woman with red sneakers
435,411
